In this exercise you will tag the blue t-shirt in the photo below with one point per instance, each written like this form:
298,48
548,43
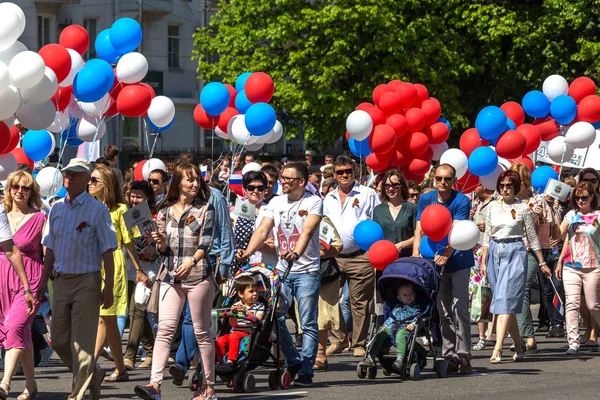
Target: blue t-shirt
459,206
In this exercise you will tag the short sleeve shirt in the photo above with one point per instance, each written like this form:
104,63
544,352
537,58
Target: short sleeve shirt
5,232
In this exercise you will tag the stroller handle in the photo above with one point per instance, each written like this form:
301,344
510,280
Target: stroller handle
287,271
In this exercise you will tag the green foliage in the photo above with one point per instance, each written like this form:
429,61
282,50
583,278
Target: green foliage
327,56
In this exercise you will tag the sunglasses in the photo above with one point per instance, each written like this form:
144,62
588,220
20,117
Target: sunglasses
593,181
413,195
16,188
505,186
154,181
341,172
446,179
252,188
94,180
286,179
391,185
582,198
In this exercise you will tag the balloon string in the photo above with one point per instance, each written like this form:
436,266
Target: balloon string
153,145
146,134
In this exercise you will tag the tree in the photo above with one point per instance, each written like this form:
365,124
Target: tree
327,56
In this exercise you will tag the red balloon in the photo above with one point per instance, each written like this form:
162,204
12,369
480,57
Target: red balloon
57,58
117,87
432,109
394,84
133,101
436,222
232,94
15,137
379,91
439,133
382,253
204,120
422,91
347,136
378,161
75,37
259,88
415,119
533,137
5,136
398,122
226,116
428,155
418,143
362,106
377,116
62,97
514,111
582,87
400,159
419,166
21,157
382,139
469,141
149,88
112,109
410,177
588,109
526,161
511,144
408,94
390,103
467,184
138,171
548,128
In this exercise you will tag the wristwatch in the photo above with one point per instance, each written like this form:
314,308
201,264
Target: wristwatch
193,260
27,291
544,264
296,255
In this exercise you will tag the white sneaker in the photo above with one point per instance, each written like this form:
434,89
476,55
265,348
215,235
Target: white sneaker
45,354
572,351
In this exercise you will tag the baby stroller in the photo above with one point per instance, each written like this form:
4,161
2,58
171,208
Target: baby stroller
425,278
256,349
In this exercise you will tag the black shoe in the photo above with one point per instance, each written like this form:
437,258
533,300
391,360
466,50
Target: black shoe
177,374
542,328
465,366
224,369
453,366
304,381
397,366
294,369
552,332
560,331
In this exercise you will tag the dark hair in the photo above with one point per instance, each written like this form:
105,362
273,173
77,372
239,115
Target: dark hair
448,166
110,151
102,160
342,161
589,171
254,176
584,187
513,177
24,167
163,174
413,185
187,158
403,185
182,170
300,168
328,156
271,171
144,187
244,282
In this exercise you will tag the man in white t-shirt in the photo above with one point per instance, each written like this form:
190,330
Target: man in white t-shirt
294,219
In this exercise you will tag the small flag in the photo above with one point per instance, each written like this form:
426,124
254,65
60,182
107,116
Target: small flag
557,302
235,184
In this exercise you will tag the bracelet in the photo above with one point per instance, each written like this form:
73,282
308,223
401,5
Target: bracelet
544,264
296,255
27,291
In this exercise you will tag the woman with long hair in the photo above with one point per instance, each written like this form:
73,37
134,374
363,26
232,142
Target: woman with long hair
185,228
104,186
22,203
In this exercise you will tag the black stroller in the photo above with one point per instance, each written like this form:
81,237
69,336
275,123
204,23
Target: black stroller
424,276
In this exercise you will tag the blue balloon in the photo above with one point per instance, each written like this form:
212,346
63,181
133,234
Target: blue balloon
105,49
214,98
428,248
540,177
70,135
260,119
483,161
93,81
366,233
242,103
61,193
359,148
37,144
563,109
596,124
125,35
157,129
510,125
536,104
444,120
491,122
241,81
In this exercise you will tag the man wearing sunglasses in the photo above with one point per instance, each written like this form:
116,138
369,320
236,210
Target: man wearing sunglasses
346,206
453,295
159,182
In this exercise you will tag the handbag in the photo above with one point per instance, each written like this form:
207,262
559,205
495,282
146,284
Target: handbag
481,300
330,270
154,300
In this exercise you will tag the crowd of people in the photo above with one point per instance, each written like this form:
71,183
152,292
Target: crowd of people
78,253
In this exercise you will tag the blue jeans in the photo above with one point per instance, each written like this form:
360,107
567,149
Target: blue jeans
305,289
345,307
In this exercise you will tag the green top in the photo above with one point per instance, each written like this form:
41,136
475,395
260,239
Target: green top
400,229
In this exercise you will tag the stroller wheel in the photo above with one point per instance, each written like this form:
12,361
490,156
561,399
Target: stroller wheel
285,380
372,372
274,380
237,383
415,372
249,383
194,380
386,372
441,368
361,372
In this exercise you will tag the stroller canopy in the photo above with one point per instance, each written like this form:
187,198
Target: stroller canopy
267,279
416,270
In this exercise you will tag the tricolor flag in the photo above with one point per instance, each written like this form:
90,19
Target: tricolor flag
235,184
557,302
203,169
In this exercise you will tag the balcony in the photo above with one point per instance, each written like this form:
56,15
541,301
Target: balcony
156,7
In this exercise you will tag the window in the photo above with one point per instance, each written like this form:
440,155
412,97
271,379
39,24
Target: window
173,46
90,25
44,24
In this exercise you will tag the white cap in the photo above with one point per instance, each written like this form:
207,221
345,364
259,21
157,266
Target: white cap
78,165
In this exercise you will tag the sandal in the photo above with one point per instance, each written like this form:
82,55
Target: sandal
201,394
496,357
30,393
148,392
4,390
124,377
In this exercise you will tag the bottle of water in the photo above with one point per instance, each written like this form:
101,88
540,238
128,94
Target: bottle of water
555,253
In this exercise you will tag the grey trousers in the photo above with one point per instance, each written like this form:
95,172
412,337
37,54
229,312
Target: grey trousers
455,320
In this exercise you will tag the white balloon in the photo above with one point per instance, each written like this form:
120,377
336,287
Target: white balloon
26,69
581,135
37,116
8,164
97,108
50,180
76,65
489,181
464,235
359,124
438,150
252,139
60,123
8,54
253,166
151,165
89,129
253,147
221,134
10,28
457,159
554,86
8,6
43,91
4,76
132,68
277,133
10,99
74,109
559,150
161,111
239,132
265,138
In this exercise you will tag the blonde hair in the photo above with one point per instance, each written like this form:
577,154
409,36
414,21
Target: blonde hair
112,191
524,174
35,199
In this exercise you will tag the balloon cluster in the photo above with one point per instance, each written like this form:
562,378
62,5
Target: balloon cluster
240,114
403,128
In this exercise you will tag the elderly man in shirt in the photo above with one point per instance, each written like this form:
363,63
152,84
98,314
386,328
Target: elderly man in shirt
346,206
79,237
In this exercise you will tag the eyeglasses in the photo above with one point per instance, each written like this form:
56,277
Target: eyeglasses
287,179
252,188
154,181
394,186
582,198
505,186
94,180
413,195
341,172
446,179
593,181
16,188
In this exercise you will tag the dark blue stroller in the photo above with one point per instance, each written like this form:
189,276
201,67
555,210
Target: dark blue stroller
425,278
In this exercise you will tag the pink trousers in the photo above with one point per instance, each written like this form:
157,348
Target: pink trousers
172,299
573,280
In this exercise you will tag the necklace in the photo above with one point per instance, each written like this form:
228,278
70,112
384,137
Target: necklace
15,225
